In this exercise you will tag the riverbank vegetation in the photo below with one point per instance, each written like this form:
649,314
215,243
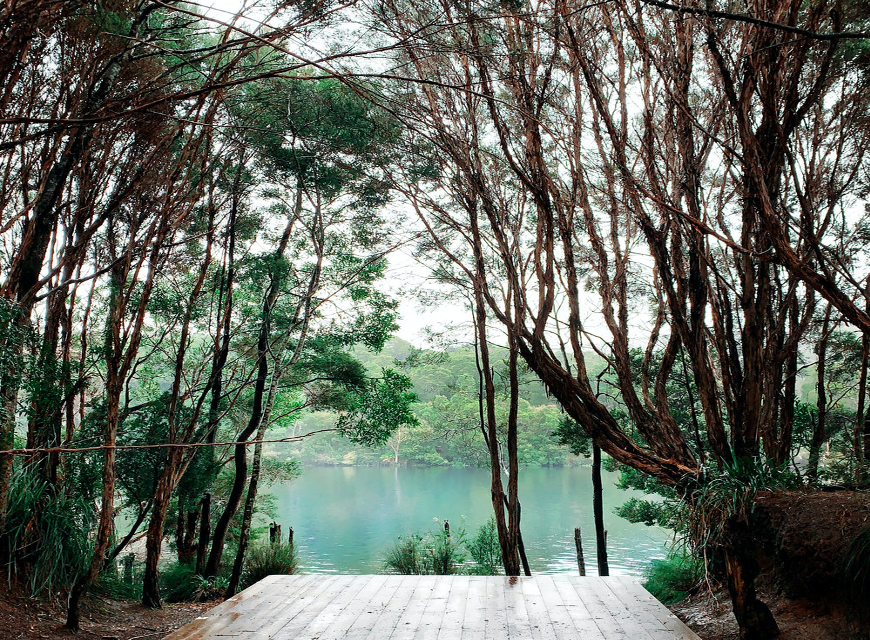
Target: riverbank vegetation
654,215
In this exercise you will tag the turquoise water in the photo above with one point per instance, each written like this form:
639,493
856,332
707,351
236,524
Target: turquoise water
345,517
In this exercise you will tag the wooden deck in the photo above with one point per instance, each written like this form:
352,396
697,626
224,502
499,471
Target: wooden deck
324,607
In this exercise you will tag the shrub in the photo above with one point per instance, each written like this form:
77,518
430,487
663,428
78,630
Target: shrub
434,553
672,579
855,568
406,556
47,532
268,560
485,551
180,583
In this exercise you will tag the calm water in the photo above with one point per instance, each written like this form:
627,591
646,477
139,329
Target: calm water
345,517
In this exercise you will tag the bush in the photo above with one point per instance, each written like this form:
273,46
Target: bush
47,532
672,579
405,557
855,568
433,553
268,560
485,551
180,583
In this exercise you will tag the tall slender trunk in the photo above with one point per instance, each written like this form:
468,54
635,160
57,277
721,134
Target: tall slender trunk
860,436
820,422
240,453
251,498
154,537
115,374
204,534
513,501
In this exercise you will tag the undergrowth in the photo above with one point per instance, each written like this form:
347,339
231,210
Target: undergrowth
674,578
267,560
438,552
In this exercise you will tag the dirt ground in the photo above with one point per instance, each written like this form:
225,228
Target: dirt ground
25,619
709,615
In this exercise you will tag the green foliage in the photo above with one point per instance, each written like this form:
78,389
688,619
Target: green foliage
432,553
662,514
113,585
485,551
721,496
379,408
180,583
572,435
269,559
48,532
855,567
672,579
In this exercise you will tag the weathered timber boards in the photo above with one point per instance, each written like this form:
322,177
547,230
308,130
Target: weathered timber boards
331,607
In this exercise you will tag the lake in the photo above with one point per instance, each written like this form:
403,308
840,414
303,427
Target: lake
344,518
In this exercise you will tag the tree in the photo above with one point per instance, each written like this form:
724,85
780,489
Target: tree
581,144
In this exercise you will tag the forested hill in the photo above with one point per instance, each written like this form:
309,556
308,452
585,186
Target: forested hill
449,433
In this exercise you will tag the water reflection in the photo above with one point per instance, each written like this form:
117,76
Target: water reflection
344,518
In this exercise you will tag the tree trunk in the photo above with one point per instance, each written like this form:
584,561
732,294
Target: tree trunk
204,533
507,542
240,454
858,432
819,424
754,618
598,513
251,498
106,523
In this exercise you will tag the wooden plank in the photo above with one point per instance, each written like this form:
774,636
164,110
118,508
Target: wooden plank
587,590
433,614
576,606
273,608
338,598
495,612
474,620
356,603
288,600
386,622
409,621
667,625
224,614
333,607
376,606
560,619
292,619
262,613
516,613
621,614
454,611
536,609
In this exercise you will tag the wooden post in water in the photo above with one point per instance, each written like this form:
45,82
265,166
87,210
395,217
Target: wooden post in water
278,535
578,542
272,527
447,527
290,536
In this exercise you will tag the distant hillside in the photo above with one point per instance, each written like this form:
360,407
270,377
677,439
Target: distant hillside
446,384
